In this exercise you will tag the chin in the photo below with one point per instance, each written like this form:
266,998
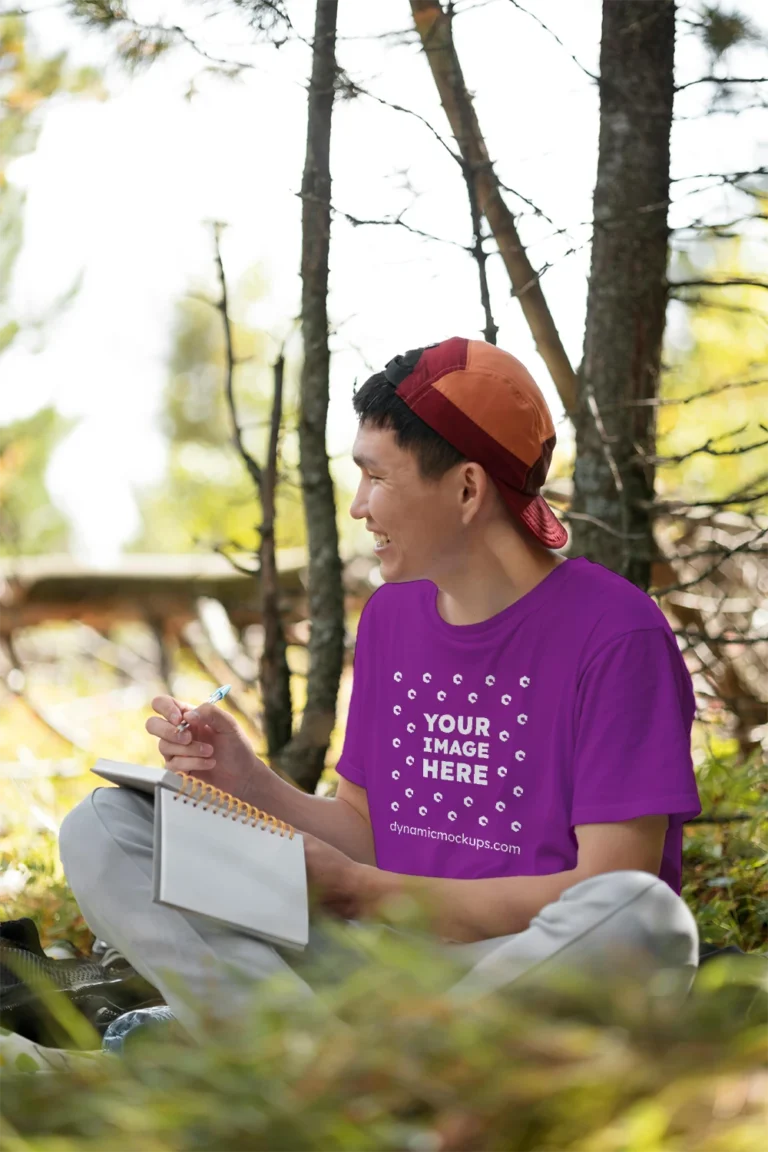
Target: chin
398,574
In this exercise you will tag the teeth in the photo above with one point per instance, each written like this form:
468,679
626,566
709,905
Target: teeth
380,539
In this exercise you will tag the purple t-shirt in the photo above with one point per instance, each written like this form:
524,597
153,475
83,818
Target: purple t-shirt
483,746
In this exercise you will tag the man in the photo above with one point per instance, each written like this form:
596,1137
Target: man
517,754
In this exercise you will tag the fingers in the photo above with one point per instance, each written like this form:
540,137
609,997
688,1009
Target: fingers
170,708
215,718
190,765
195,749
158,727
187,743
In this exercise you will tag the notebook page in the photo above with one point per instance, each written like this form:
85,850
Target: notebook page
250,878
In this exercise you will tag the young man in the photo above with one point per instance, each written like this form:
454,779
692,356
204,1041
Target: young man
517,753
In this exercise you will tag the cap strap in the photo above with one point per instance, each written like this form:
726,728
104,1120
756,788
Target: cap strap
401,366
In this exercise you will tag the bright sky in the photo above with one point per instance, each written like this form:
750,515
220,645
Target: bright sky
119,192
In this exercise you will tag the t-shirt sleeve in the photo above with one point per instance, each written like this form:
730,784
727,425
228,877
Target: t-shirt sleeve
634,710
351,763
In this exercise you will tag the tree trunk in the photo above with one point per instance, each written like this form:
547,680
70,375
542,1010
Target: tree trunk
274,673
304,756
434,28
626,303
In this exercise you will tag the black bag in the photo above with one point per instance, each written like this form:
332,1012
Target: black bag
99,992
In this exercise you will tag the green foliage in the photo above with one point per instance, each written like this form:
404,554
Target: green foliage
137,45
384,1060
726,864
601,1070
207,496
724,345
29,523
46,897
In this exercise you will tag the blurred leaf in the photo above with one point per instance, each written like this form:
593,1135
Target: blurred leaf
29,522
8,333
722,29
29,83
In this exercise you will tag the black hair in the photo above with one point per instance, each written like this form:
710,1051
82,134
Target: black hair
378,406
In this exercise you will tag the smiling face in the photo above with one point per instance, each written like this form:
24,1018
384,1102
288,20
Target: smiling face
420,525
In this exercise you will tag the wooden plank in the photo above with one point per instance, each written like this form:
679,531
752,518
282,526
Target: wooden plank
37,589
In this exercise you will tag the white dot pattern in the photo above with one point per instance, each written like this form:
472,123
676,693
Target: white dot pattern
452,734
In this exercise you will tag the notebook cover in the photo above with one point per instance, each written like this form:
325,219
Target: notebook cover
250,878
141,777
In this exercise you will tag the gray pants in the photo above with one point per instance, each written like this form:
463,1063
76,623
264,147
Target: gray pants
106,846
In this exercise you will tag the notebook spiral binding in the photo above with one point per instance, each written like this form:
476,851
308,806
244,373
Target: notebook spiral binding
196,791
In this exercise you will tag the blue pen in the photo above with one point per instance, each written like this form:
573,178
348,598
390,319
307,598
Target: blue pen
214,698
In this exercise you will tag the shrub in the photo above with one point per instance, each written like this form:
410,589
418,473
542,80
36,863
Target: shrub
384,1060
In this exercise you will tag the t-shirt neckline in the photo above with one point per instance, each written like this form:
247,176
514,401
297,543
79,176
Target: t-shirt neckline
513,614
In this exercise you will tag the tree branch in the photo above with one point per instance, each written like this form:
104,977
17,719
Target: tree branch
223,308
358,91
669,506
657,402
737,818
745,546
434,28
722,80
398,222
540,212
230,560
730,282
721,229
568,515
707,448
478,249
481,256
556,38
722,177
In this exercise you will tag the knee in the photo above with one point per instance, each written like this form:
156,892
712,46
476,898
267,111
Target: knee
622,888
77,830
645,909
93,826
78,836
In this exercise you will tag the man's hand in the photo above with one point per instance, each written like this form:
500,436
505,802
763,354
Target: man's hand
334,879
214,748
469,910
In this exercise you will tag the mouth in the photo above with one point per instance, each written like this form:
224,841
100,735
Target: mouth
380,542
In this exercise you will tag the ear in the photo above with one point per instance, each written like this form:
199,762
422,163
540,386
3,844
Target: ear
474,487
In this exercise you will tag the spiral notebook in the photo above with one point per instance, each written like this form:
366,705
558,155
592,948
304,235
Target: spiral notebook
219,857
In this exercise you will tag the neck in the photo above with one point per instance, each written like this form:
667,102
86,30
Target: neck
499,570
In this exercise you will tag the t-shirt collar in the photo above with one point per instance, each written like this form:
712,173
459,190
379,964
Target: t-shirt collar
513,614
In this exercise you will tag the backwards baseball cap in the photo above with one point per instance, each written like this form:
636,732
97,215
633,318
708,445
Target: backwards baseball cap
487,405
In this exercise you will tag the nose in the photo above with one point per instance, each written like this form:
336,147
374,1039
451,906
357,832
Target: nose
358,509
